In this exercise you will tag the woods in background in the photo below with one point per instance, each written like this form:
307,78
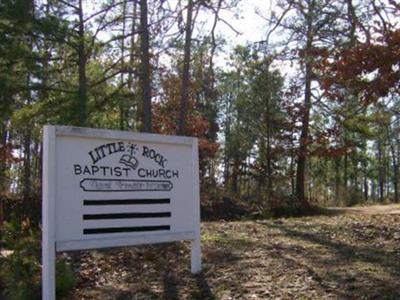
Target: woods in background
307,115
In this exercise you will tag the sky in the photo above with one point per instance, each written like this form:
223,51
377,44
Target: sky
244,19
251,26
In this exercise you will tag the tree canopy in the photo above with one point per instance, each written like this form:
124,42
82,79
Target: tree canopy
307,115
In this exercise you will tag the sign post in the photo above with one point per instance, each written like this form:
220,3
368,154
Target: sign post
48,215
104,188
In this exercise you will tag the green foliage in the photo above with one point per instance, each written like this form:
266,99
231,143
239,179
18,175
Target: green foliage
65,279
253,119
20,272
247,103
20,276
360,124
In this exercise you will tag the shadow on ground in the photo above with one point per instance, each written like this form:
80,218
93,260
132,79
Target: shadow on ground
338,256
351,271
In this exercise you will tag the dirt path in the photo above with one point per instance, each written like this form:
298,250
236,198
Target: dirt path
389,209
352,254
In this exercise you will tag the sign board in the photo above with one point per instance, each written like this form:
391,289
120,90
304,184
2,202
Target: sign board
104,188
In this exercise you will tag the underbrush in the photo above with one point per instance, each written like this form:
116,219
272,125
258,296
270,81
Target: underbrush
20,268
237,208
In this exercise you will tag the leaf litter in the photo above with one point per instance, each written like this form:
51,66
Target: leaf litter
340,256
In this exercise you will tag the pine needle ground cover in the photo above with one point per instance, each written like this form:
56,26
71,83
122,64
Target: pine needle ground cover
351,254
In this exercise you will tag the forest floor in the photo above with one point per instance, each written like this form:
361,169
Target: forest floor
351,253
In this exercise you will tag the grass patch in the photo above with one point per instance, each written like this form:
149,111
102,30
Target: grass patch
236,241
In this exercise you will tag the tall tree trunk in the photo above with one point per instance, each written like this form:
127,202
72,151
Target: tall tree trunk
27,141
351,14
235,175
365,188
355,176
387,172
261,176
40,170
145,68
373,189
345,178
269,168
132,44
27,130
3,168
292,175
211,95
268,139
210,89
226,171
121,78
186,71
3,163
395,166
270,186
309,179
226,158
397,151
381,180
337,179
132,52
82,61
304,136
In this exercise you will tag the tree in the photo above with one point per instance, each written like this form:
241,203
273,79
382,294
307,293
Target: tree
362,71
253,121
186,69
167,113
314,24
144,76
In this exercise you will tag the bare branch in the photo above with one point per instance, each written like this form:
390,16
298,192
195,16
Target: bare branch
67,3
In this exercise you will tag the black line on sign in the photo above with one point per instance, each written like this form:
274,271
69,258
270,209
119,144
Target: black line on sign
127,216
126,201
125,229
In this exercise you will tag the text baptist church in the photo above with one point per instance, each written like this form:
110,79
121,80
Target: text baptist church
100,152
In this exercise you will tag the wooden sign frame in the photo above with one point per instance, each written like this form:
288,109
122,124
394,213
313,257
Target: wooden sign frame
168,177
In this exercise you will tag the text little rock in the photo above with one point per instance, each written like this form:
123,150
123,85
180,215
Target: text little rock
102,151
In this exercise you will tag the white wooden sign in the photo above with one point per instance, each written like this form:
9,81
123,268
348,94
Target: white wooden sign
104,188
